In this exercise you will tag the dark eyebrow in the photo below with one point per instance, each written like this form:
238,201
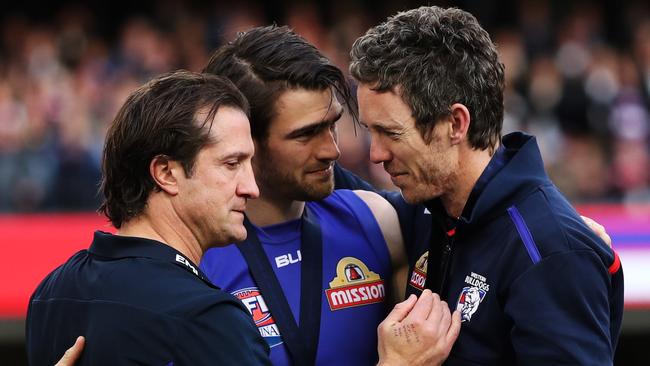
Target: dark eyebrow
315,127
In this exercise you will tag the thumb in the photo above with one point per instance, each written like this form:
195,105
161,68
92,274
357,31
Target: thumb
72,354
401,310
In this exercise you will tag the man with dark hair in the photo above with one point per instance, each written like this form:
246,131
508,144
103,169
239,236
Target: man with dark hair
176,179
315,268
534,285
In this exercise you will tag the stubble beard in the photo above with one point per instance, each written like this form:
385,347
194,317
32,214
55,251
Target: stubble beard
287,186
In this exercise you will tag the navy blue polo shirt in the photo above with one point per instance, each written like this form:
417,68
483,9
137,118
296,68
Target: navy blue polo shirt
138,301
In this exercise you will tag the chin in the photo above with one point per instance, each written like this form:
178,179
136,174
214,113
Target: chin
415,197
235,235
314,192
239,235
412,200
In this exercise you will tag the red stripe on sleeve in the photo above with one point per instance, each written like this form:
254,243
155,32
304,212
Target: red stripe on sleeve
616,265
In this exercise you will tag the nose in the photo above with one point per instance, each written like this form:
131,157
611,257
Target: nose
247,186
328,148
378,152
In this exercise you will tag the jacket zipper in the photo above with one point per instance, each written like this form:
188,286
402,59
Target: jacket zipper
444,265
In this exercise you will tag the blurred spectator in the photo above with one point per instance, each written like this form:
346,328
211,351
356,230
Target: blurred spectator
575,78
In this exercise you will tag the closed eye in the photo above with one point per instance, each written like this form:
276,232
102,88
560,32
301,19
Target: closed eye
233,164
391,134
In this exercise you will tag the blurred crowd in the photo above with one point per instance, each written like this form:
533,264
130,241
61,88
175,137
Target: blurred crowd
582,87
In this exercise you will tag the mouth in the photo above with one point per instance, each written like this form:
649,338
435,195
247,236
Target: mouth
395,177
395,174
239,210
324,171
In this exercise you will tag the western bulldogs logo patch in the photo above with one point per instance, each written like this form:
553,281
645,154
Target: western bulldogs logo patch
254,302
419,274
354,285
471,296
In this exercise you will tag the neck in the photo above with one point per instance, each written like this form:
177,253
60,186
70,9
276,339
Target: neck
268,211
469,171
165,228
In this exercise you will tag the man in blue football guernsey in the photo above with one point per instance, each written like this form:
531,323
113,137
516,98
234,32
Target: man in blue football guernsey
316,269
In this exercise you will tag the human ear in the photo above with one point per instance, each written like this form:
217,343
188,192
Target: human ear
164,172
460,120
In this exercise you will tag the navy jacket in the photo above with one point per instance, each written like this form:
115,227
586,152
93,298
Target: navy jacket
138,301
535,285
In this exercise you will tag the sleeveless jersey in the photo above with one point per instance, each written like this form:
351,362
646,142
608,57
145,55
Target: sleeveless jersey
356,276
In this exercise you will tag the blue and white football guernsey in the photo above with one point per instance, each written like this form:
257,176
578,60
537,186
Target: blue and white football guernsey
356,275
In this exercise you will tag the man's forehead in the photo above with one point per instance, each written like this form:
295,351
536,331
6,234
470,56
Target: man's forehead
294,97
383,107
303,106
229,127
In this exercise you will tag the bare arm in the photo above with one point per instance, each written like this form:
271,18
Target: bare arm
386,217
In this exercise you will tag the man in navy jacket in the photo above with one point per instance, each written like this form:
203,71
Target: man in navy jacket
495,238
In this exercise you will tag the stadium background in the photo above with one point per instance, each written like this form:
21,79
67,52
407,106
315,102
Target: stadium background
578,77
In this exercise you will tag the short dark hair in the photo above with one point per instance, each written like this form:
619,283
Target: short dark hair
159,118
436,57
265,61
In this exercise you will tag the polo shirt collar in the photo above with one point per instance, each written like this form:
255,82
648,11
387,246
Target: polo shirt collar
118,246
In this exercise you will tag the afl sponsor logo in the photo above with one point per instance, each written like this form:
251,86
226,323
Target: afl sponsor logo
419,274
254,302
354,285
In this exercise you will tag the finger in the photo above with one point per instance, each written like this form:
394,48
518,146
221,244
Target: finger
598,229
435,313
72,354
593,225
422,308
606,238
453,331
401,310
444,318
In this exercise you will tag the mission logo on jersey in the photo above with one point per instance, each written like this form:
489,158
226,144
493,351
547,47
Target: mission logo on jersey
254,302
419,274
354,285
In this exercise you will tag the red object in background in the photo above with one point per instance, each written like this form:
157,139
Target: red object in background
34,245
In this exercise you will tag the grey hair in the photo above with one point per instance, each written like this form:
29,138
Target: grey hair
436,57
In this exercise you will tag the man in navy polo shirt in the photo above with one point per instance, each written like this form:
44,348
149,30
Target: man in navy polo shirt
176,178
